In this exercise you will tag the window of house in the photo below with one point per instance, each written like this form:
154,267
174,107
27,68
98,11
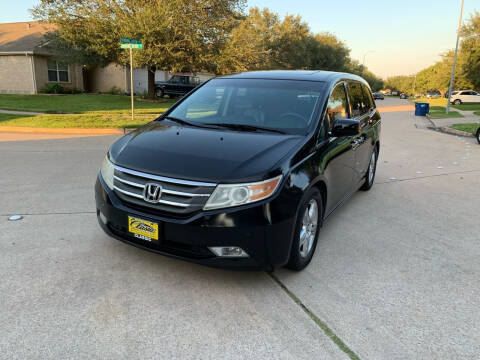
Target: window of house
57,72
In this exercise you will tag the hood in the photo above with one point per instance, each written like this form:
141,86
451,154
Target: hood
165,148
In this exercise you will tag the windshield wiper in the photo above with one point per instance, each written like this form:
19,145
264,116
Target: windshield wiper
244,127
186,122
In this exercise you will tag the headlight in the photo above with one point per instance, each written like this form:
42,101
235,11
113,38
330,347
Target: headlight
107,172
239,194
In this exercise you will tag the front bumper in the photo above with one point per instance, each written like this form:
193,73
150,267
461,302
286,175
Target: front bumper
266,238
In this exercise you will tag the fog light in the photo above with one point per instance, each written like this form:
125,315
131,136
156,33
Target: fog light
103,218
228,251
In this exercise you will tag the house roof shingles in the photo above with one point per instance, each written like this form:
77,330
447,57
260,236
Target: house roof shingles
23,37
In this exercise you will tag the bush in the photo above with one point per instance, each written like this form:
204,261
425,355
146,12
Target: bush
53,88
115,91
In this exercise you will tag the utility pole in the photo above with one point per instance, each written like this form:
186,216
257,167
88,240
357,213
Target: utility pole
452,76
414,83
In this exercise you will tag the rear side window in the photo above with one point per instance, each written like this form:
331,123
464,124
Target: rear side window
355,95
367,98
337,105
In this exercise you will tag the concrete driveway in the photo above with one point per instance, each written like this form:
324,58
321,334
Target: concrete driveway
396,274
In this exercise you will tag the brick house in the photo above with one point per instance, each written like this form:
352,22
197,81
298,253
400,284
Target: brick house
26,66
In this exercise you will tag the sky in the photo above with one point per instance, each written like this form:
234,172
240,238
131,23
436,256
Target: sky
395,37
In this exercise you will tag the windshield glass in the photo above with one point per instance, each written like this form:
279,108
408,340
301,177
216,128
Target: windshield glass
284,105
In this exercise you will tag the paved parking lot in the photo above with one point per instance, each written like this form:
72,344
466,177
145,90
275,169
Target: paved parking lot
396,274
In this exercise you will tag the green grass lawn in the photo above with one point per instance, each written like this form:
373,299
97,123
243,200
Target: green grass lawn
75,103
470,128
89,111
433,102
88,120
443,102
468,107
438,112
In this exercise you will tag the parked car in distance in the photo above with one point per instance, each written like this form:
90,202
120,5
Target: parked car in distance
378,96
243,170
435,94
403,95
446,94
178,85
465,97
394,93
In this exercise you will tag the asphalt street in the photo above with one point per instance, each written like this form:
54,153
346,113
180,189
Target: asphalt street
396,274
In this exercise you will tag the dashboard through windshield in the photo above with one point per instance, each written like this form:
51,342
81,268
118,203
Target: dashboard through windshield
285,106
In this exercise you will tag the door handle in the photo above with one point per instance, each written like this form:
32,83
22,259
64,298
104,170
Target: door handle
357,142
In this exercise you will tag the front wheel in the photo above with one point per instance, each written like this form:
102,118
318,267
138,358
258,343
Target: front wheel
457,102
372,169
478,135
307,227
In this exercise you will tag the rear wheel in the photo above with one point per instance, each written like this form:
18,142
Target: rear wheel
159,93
478,135
457,102
309,221
370,175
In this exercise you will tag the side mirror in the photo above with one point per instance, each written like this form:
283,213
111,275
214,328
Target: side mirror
345,127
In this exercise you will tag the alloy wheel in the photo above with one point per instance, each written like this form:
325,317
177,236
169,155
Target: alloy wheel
371,168
309,228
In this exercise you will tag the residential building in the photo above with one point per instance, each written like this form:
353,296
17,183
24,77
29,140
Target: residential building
25,64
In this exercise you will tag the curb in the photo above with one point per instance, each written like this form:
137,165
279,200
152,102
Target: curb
431,121
448,130
451,131
65,131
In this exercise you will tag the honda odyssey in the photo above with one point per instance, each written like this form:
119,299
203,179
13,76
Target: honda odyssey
243,170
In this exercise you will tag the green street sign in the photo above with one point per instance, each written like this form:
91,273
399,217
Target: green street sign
129,41
131,46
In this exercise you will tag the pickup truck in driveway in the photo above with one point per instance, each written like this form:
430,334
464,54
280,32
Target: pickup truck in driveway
178,85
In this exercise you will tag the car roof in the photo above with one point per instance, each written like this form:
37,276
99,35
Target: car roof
303,75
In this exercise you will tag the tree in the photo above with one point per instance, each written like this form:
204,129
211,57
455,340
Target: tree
177,35
65,52
471,50
263,41
403,83
355,67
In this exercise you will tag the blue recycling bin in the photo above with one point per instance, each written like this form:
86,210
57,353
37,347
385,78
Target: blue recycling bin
422,109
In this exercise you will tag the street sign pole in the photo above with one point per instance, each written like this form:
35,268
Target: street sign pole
131,79
127,43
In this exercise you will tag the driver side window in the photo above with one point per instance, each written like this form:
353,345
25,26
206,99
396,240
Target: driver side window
337,105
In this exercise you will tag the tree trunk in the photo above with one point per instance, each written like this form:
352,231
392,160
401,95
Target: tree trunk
151,81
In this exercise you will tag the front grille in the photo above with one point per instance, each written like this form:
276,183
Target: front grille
178,196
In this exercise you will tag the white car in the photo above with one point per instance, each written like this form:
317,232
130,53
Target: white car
465,97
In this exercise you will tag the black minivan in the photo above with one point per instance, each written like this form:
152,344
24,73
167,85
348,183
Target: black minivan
242,171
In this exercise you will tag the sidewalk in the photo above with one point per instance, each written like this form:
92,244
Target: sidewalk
14,112
469,118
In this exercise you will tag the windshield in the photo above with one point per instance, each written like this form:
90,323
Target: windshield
282,105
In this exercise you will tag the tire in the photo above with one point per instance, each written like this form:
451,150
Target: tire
307,228
159,93
478,135
457,102
371,171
